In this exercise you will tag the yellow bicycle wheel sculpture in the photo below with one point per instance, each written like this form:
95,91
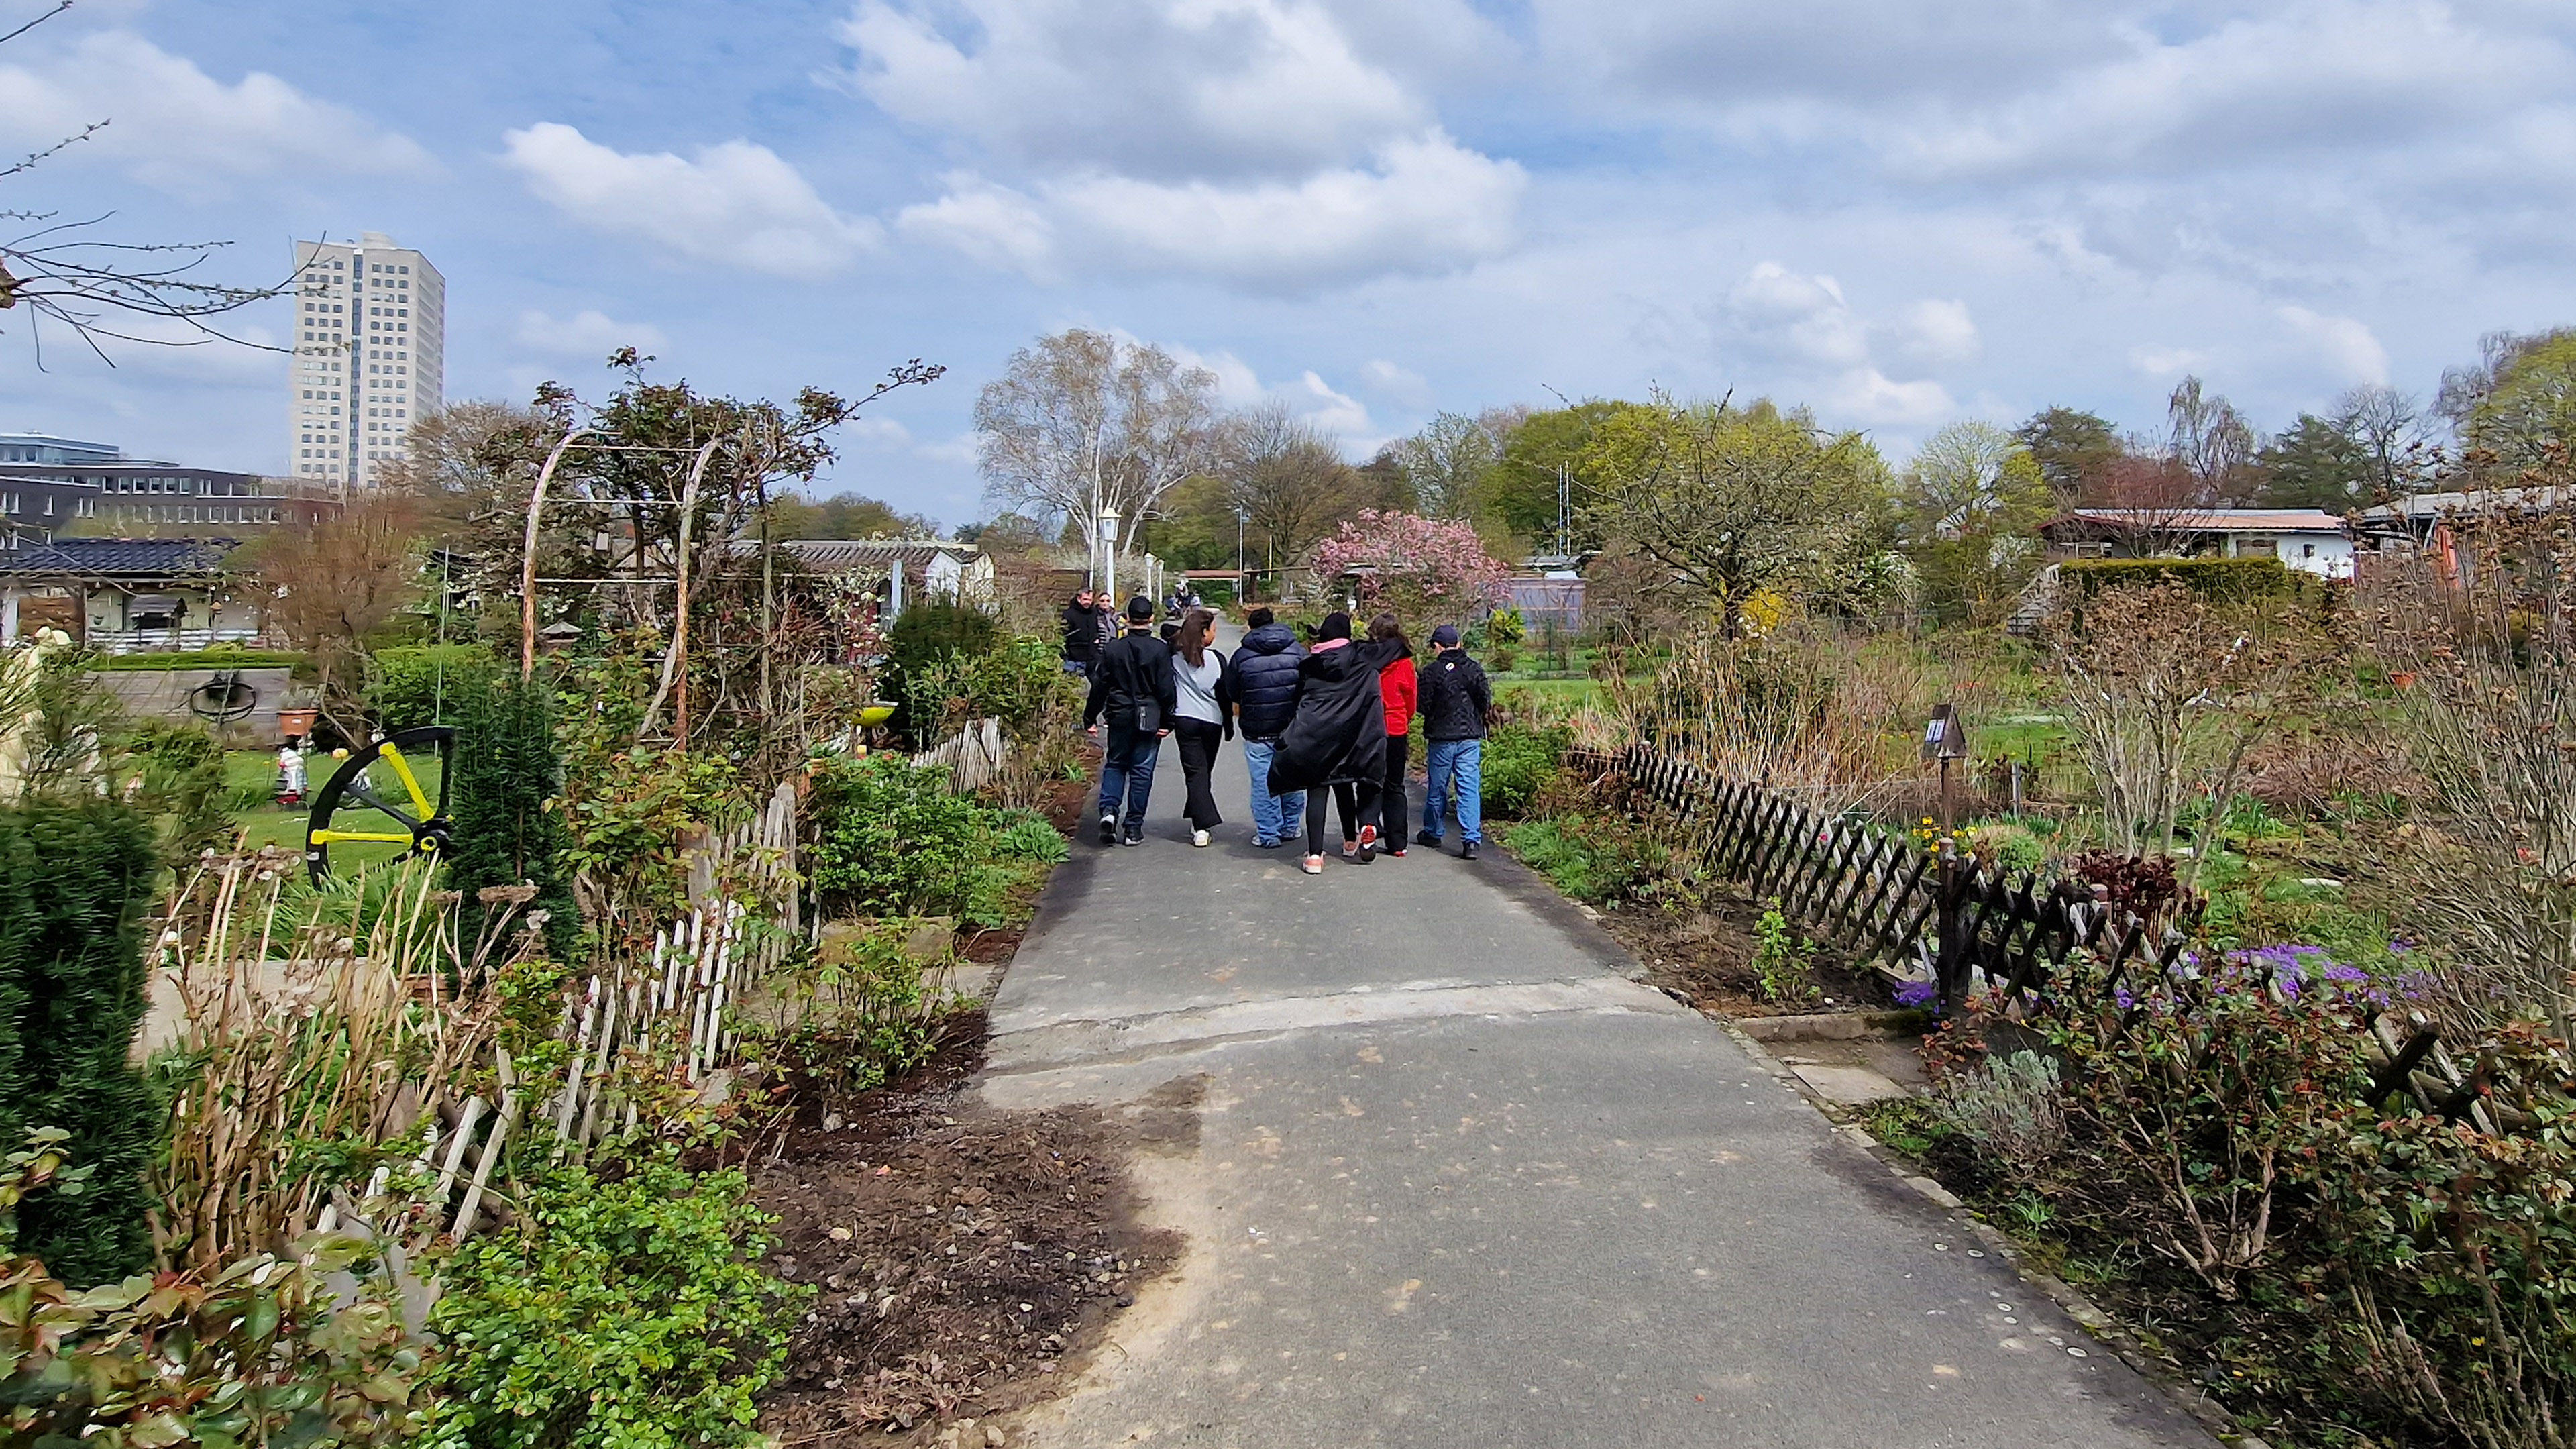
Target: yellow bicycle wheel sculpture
376,799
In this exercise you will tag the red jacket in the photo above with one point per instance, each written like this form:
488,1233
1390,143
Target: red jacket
1399,684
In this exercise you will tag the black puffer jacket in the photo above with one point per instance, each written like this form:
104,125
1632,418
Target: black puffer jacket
1455,697
1264,674
1339,734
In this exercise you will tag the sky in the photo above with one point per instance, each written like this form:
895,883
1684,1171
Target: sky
1896,214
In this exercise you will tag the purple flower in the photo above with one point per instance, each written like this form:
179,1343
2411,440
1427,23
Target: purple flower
1917,993
2347,974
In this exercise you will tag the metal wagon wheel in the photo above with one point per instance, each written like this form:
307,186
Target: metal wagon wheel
420,827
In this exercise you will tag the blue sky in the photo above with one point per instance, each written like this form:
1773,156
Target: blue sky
1896,213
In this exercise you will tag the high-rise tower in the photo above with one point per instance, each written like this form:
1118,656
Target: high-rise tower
370,356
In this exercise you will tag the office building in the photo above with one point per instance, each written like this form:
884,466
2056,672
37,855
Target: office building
370,356
46,448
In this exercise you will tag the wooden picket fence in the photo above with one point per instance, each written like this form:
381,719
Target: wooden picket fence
1960,923
668,1005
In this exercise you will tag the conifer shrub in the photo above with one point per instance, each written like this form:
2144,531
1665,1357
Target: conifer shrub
507,769
76,879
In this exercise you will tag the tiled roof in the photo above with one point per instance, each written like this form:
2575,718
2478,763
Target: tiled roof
841,553
2213,520
134,558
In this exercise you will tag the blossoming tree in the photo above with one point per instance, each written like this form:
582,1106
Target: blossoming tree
1428,570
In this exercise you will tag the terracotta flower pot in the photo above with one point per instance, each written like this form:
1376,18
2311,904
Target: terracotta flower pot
297,723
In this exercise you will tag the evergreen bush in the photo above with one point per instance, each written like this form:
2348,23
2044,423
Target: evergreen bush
931,632
507,771
425,683
76,878
1520,760
2232,580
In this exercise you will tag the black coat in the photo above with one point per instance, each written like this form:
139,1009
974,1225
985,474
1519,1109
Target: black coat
1455,697
1339,734
1133,684
1081,632
1264,673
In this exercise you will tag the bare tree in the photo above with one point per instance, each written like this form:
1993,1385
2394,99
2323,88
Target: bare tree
63,271
1083,423
1446,461
2389,427
329,586
1286,479
2211,440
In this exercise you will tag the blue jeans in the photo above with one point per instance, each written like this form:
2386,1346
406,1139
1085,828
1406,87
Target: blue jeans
1461,762
1273,816
1127,769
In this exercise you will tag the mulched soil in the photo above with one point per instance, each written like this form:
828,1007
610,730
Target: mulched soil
963,1256
1705,957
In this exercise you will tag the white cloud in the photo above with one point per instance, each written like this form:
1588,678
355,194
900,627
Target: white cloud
1335,412
173,127
1309,397
2159,361
2346,344
1426,205
1400,384
991,225
1169,90
1801,329
876,432
735,203
2326,73
590,334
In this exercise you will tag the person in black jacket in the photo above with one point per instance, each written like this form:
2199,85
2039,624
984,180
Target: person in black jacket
1133,690
1263,676
1456,704
1337,738
1081,625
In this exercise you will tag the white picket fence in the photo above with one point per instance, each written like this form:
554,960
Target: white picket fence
669,1006
971,757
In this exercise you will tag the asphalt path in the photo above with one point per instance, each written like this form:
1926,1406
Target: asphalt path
1450,1178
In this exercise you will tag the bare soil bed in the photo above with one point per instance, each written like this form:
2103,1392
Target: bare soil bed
1705,957
965,1259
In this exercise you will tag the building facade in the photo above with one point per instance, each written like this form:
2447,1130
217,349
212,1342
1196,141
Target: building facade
46,448
370,356
137,499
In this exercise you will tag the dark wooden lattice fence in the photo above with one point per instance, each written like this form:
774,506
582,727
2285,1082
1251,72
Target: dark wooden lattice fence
1883,897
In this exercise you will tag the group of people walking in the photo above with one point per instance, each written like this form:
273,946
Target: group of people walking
1325,726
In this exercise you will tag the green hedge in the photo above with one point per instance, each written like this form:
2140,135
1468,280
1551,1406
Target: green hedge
421,684
214,658
75,882
2235,579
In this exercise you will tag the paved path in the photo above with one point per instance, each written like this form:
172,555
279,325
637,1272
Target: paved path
1451,1180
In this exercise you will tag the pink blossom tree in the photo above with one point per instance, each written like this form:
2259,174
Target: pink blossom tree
1428,570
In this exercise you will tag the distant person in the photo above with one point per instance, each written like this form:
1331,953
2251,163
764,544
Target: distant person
1396,685
1264,670
1203,715
1081,625
1133,693
1457,707
1338,738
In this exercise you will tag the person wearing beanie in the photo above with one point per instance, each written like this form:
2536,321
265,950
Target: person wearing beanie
1457,706
1133,691
1337,739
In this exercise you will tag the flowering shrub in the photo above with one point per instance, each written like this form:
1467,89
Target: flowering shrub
1428,569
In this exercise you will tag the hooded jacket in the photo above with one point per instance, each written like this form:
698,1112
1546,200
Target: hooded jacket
1339,733
1398,682
1264,667
1133,685
1455,697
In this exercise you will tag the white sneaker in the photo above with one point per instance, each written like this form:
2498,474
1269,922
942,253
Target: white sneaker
1314,865
1199,838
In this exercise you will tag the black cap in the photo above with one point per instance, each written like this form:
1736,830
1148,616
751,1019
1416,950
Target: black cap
1445,637
1140,610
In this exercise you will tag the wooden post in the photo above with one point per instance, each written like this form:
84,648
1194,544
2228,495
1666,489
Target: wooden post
528,556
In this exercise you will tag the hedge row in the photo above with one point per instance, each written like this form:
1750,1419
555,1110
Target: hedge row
2235,579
